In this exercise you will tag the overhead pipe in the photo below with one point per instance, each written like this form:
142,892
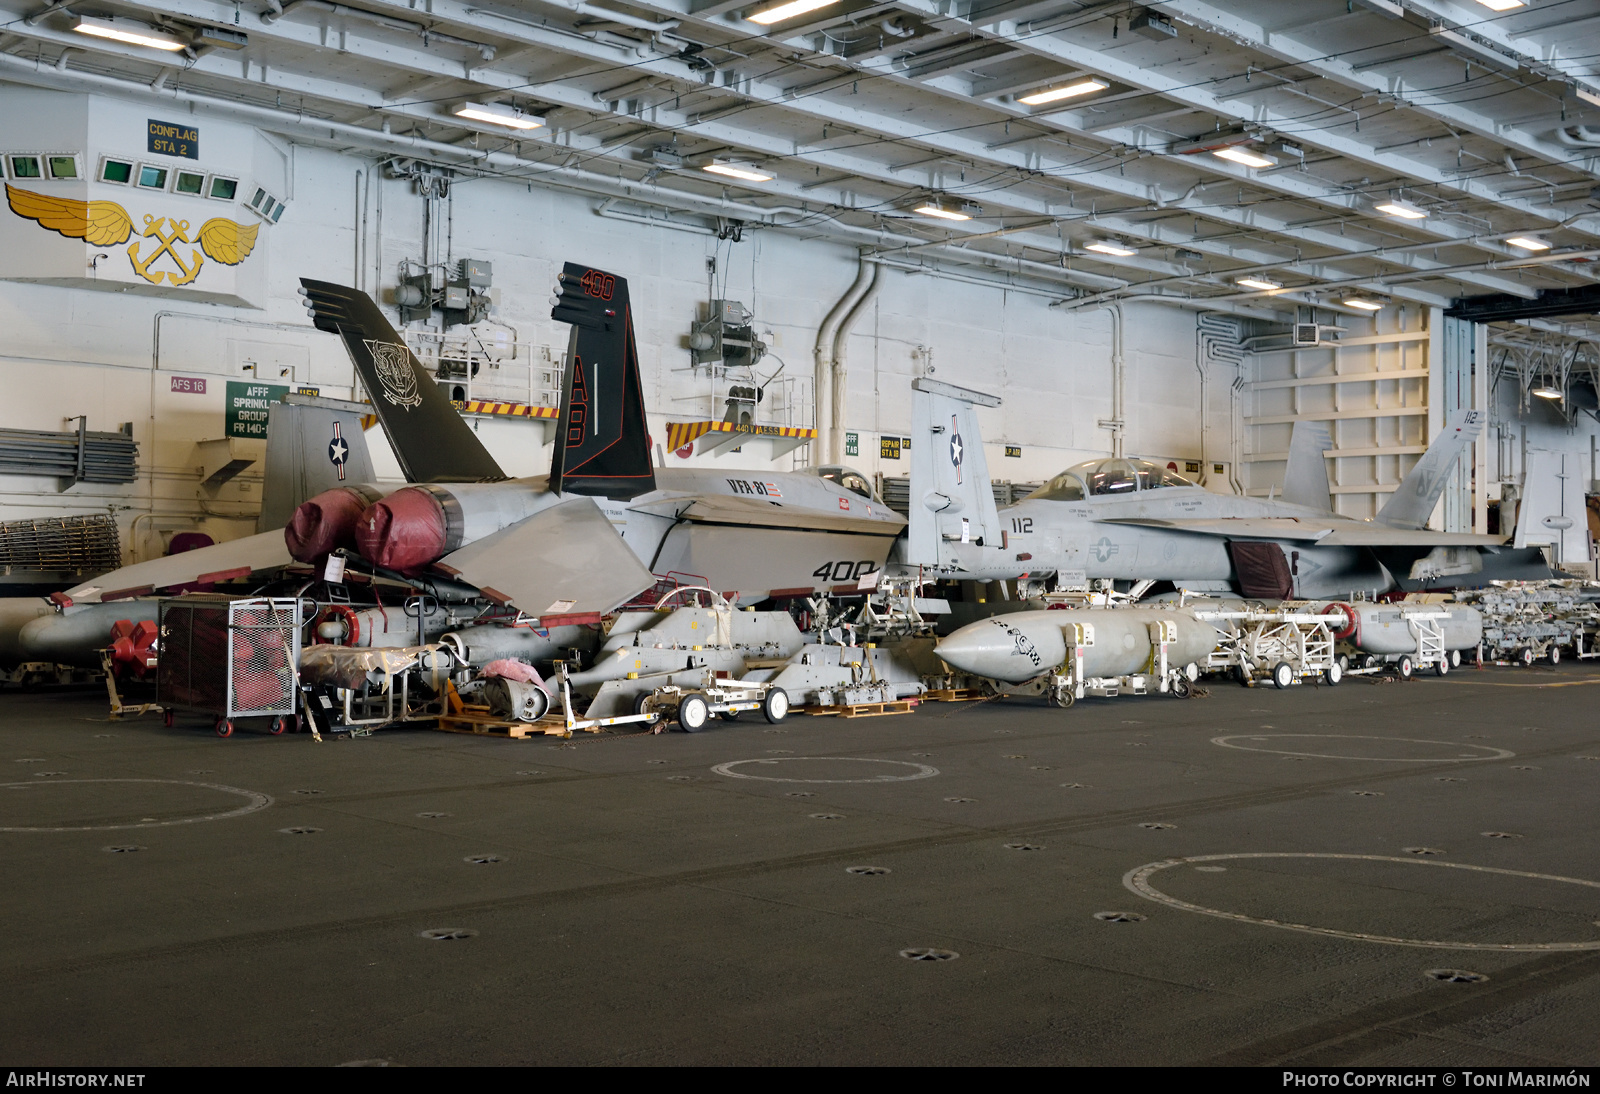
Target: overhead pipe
822,374
278,11
840,386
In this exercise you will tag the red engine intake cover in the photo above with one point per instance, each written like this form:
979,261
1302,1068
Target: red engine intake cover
323,523
405,531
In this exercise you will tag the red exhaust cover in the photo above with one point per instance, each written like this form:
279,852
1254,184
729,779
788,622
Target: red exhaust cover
323,523
404,531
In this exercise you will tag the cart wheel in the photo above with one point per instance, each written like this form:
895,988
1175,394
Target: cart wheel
1405,666
166,718
1181,688
1442,668
224,728
1282,674
1334,674
1343,661
1555,655
775,707
693,714
279,725
729,715
1455,659
1526,657
639,701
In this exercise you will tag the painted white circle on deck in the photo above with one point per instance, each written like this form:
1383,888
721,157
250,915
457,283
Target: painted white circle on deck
254,800
773,766
1450,751
1138,880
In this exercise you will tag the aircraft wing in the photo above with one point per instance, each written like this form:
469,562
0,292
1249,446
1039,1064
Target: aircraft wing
219,562
1329,533
1248,527
564,560
727,509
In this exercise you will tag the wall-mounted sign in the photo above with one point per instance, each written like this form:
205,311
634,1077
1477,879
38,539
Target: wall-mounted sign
1014,450
189,385
889,448
1191,467
245,414
852,444
172,139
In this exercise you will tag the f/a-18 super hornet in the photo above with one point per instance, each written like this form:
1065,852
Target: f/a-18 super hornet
1132,519
603,526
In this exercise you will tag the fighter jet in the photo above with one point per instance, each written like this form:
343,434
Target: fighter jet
1133,519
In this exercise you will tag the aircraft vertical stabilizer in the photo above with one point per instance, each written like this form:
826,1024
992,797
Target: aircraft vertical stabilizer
313,444
951,497
432,442
602,442
1305,479
1412,504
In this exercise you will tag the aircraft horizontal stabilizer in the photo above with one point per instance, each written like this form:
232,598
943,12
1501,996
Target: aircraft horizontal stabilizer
564,560
220,562
719,509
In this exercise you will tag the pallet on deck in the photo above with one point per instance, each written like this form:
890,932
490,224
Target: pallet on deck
866,710
953,695
478,720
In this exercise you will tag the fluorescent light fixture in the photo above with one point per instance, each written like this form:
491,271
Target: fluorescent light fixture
1110,247
135,34
1068,91
779,12
945,208
1403,210
1548,391
1258,283
1502,5
747,172
1364,305
1247,156
1529,243
498,114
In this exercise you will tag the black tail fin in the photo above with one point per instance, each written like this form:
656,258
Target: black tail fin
429,438
602,445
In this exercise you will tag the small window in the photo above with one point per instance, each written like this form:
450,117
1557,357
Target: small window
26,167
152,177
277,214
261,195
63,167
117,171
188,182
222,188
267,206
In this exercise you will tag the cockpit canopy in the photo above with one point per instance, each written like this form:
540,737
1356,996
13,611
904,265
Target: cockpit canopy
847,477
1114,476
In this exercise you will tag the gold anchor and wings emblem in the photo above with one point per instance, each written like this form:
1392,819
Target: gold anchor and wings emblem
107,224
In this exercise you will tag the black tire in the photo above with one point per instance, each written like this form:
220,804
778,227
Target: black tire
728,715
775,707
693,713
224,728
166,718
1405,666
1282,675
1181,688
639,701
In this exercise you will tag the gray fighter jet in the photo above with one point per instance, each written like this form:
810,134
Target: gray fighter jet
600,528
1132,519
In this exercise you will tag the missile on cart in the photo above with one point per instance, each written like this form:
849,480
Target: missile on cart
1116,642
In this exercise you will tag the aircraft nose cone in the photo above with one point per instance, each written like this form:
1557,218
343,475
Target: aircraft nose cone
1012,648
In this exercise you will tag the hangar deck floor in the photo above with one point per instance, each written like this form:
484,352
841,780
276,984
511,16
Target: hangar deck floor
646,908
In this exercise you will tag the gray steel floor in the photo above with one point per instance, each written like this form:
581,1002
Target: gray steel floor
648,909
